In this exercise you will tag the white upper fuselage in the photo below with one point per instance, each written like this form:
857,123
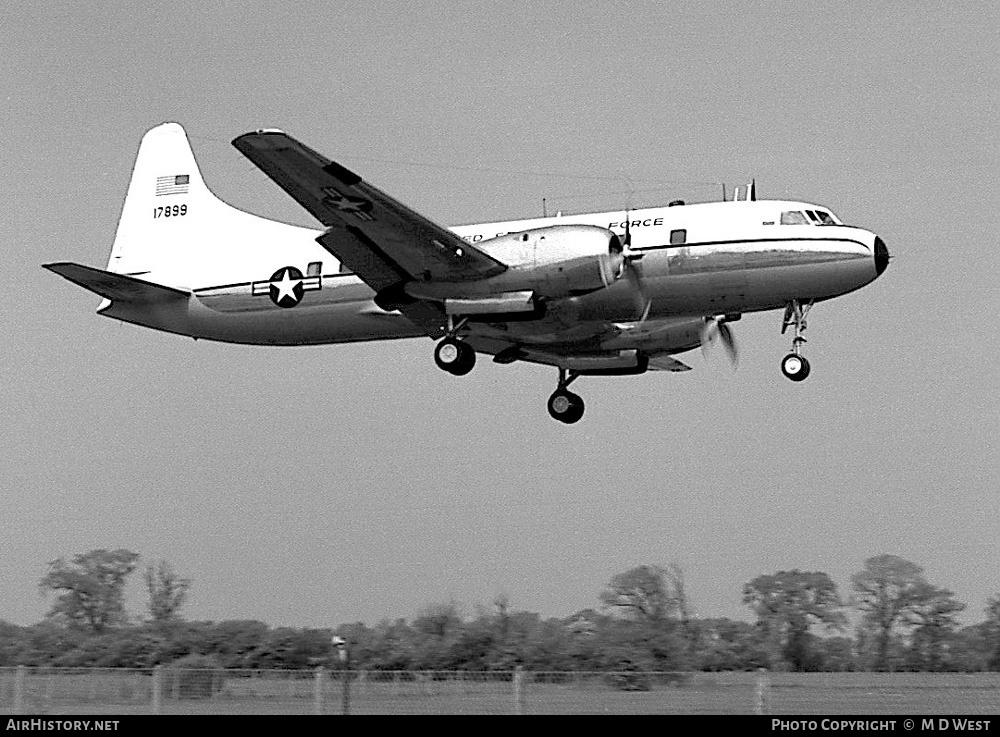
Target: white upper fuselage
726,257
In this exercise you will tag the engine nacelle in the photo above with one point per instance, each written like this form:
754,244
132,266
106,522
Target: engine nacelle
545,263
558,260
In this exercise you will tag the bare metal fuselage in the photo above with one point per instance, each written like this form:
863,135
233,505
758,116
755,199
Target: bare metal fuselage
735,258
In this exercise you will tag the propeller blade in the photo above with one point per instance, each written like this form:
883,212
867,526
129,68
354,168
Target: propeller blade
645,310
729,342
707,336
633,275
716,328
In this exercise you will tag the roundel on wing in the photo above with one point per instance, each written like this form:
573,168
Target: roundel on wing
286,287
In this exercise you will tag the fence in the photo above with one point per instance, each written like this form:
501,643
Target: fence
165,690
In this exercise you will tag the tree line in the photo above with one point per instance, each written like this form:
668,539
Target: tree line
644,621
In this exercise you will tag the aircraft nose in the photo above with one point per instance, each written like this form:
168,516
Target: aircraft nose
881,256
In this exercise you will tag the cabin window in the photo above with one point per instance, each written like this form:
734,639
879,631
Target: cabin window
678,237
344,269
315,268
793,217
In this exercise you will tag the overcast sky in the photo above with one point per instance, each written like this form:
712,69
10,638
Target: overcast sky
317,486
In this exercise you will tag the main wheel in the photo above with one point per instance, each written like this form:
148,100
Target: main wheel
566,406
795,367
454,356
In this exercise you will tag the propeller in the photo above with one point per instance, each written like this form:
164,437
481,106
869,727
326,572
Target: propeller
633,275
717,329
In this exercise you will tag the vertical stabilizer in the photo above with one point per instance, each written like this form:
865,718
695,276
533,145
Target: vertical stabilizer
166,200
175,232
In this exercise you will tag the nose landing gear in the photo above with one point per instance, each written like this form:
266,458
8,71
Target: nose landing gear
794,365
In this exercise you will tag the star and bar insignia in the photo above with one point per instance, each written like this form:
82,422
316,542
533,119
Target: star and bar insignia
286,286
355,205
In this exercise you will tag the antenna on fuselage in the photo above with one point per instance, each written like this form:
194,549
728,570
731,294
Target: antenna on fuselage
749,194
544,215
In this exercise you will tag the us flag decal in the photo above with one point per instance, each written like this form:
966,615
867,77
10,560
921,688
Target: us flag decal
177,184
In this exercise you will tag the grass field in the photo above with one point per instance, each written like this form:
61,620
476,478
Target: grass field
128,692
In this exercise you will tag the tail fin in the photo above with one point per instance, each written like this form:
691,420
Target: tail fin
166,200
175,232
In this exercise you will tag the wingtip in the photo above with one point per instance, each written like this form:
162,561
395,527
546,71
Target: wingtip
57,266
259,133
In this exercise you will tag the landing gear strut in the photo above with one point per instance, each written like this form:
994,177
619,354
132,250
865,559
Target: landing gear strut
794,365
452,354
564,405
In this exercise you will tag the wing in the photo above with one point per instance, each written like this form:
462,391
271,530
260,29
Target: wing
381,240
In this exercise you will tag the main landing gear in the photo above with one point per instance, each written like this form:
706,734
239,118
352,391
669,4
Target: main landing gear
454,356
794,365
564,405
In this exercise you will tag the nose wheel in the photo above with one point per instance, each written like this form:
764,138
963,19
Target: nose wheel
564,405
795,366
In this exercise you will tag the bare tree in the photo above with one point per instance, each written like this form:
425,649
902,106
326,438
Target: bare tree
92,588
167,592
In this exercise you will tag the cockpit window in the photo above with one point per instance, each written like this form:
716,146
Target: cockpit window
793,217
815,217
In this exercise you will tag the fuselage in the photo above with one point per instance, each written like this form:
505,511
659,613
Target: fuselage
693,260
595,294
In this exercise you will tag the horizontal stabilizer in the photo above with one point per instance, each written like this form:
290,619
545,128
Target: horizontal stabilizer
116,286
